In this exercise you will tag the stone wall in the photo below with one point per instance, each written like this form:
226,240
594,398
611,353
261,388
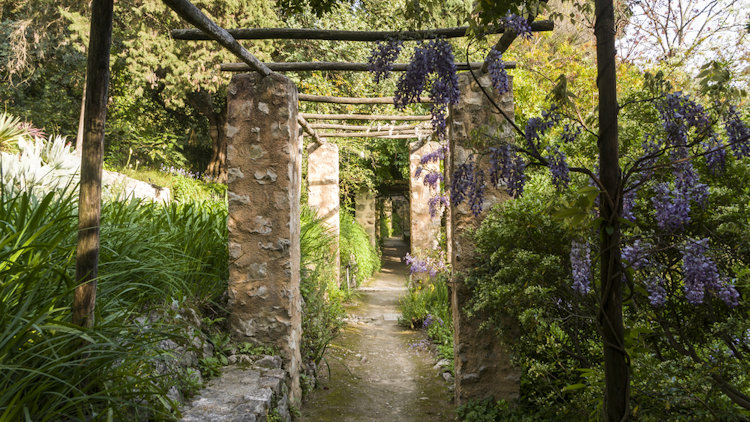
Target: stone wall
323,189
482,366
264,177
364,212
425,229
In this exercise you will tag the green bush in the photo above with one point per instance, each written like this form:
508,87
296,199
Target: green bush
356,250
523,288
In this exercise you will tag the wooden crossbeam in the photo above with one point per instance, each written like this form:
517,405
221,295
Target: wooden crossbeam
351,100
337,66
339,35
363,134
361,127
211,31
308,129
314,116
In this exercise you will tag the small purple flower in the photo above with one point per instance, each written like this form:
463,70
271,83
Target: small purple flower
657,295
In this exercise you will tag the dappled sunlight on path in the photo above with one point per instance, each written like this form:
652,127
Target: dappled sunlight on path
374,374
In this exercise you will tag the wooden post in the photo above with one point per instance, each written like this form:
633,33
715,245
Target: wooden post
89,205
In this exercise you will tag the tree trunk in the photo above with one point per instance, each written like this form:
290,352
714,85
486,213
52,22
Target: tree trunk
89,206
202,101
79,134
616,396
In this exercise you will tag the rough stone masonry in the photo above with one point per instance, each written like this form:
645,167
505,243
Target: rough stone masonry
264,178
482,366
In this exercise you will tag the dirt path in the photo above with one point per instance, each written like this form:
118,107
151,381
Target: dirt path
375,376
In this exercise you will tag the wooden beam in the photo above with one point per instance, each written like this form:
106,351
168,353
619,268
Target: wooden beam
309,129
381,134
339,35
90,196
337,66
314,116
212,31
374,128
351,100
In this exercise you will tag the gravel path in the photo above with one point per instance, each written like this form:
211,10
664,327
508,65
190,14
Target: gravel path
374,374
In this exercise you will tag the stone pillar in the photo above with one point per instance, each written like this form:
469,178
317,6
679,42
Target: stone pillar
364,212
482,366
264,176
425,229
323,188
378,219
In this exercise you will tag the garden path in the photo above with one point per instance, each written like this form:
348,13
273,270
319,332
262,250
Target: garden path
374,374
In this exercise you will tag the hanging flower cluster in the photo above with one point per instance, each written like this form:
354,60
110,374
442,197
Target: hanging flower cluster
580,261
431,265
432,65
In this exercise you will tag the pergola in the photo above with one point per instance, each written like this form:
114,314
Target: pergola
268,238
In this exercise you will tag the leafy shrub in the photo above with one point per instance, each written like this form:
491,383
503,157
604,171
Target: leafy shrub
355,248
523,287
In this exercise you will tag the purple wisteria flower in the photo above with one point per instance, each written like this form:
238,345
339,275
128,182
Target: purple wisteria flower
672,208
637,254
657,295
468,183
382,58
580,261
716,154
496,70
701,274
435,156
628,203
570,133
536,127
437,204
433,179
737,133
518,24
436,59
558,167
506,165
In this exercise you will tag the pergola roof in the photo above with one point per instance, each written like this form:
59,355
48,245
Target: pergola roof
209,30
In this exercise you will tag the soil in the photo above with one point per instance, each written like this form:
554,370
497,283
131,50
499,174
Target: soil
375,373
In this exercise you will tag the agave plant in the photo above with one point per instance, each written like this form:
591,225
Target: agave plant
10,131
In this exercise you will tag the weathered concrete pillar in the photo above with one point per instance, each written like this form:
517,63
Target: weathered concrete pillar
482,366
364,212
323,188
264,176
425,228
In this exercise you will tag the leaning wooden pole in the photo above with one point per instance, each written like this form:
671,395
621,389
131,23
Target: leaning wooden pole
90,197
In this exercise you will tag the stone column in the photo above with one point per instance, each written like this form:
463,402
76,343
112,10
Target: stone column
323,188
482,366
425,229
264,176
364,212
378,218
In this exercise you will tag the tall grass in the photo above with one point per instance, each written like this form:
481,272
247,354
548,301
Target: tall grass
151,256
355,248
323,310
